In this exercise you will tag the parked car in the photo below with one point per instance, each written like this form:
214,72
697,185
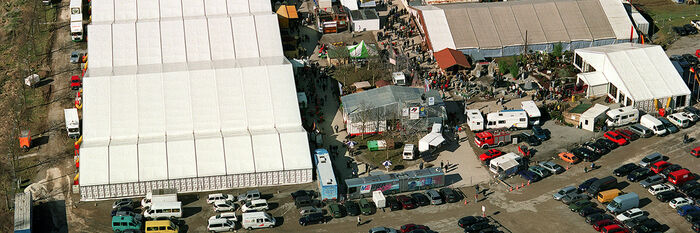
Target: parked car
490,154
255,205
639,174
695,152
616,137
219,197
692,116
585,154
75,57
569,157
625,169
224,206
542,134
590,210
382,230
576,206
367,207
225,215
680,31
138,217
411,227
563,192
467,221
124,208
652,180
590,219
680,201
672,168
690,29
687,209
648,226
392,203
540,171
529,176
628,134
598,225
667,195
689,186
420,199
584,185
641,130
449,195
694,194
250,195
307,193
352,208
406,202
552,167
669,126
336,210
692,109
306,210
530,139
122,202
630,214
659,166
312,219
219,225
595,147
477,227
574,197
650,159
434,197
693,216
655,189
607,143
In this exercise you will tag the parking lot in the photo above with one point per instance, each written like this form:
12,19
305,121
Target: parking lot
527,209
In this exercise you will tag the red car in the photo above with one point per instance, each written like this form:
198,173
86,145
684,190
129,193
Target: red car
627,134
75,82
406,202
659,166
616,137
490,154
602,223
695,152
410,227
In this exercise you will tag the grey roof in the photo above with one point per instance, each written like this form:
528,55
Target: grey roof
386,95
363,14
497,24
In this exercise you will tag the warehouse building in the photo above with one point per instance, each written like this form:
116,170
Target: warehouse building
633,75
190,96
496,29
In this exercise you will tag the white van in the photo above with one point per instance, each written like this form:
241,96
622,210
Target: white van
679,119
255,205
475,120
255,220
654,124
409,152
164,210
622,116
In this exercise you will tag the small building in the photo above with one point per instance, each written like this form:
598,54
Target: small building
364,20
593,115
370,111
505,165
450,60
23,212
636,75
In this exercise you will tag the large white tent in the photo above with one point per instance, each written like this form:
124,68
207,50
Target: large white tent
191,95
634,75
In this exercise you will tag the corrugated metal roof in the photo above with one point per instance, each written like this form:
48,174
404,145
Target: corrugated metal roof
385,96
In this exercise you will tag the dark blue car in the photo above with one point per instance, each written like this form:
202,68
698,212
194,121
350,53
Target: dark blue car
542,134
584,186
530,176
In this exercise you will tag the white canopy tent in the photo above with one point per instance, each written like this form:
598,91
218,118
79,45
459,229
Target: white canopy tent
187,95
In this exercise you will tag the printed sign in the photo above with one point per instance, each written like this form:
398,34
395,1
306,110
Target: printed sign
431,101
414,113
366,188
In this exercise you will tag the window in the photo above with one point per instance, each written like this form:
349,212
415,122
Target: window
75,10
523,119
501,122
612,90
162,228
623,117
585,122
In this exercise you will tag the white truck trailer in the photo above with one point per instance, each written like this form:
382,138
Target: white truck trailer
72,122
76,20
159,195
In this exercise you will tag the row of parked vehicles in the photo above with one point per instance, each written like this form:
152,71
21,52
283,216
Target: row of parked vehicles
252,208
158,212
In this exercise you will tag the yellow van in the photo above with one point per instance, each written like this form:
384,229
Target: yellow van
161,226
608,195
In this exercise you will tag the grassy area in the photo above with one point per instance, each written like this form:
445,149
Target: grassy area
581,108
665,15
376,158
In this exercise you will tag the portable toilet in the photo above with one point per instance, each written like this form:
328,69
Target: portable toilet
379,199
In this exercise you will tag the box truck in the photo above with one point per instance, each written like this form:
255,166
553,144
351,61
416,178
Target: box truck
72,122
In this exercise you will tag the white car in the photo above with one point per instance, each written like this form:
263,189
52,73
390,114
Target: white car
630,214
221,225
695,23
225,215
224,206
255,205
219,197
656,189
691,116
680,201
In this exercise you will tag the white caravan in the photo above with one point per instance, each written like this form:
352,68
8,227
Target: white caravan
475,120
622,116
533,112
507,119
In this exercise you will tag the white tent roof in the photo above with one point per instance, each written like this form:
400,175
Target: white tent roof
593,78
642,72
438,30
171,97
595,111
619,20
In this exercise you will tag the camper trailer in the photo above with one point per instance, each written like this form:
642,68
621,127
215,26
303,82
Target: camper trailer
475,120
533,112
507,119
399,78
622,116
506,164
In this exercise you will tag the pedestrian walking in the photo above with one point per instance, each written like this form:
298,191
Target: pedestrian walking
476,187
336,128
442,164
359,221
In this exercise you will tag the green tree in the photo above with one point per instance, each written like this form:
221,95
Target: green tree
558,48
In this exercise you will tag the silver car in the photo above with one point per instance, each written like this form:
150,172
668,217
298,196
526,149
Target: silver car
552,167
574,197
652,180
434,197
564,191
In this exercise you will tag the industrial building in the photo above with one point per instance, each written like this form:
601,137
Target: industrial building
189,95
636,75
496,29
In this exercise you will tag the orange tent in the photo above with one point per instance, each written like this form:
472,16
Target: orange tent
448,58
285,13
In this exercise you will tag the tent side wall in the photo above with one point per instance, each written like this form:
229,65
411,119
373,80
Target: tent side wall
198,184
